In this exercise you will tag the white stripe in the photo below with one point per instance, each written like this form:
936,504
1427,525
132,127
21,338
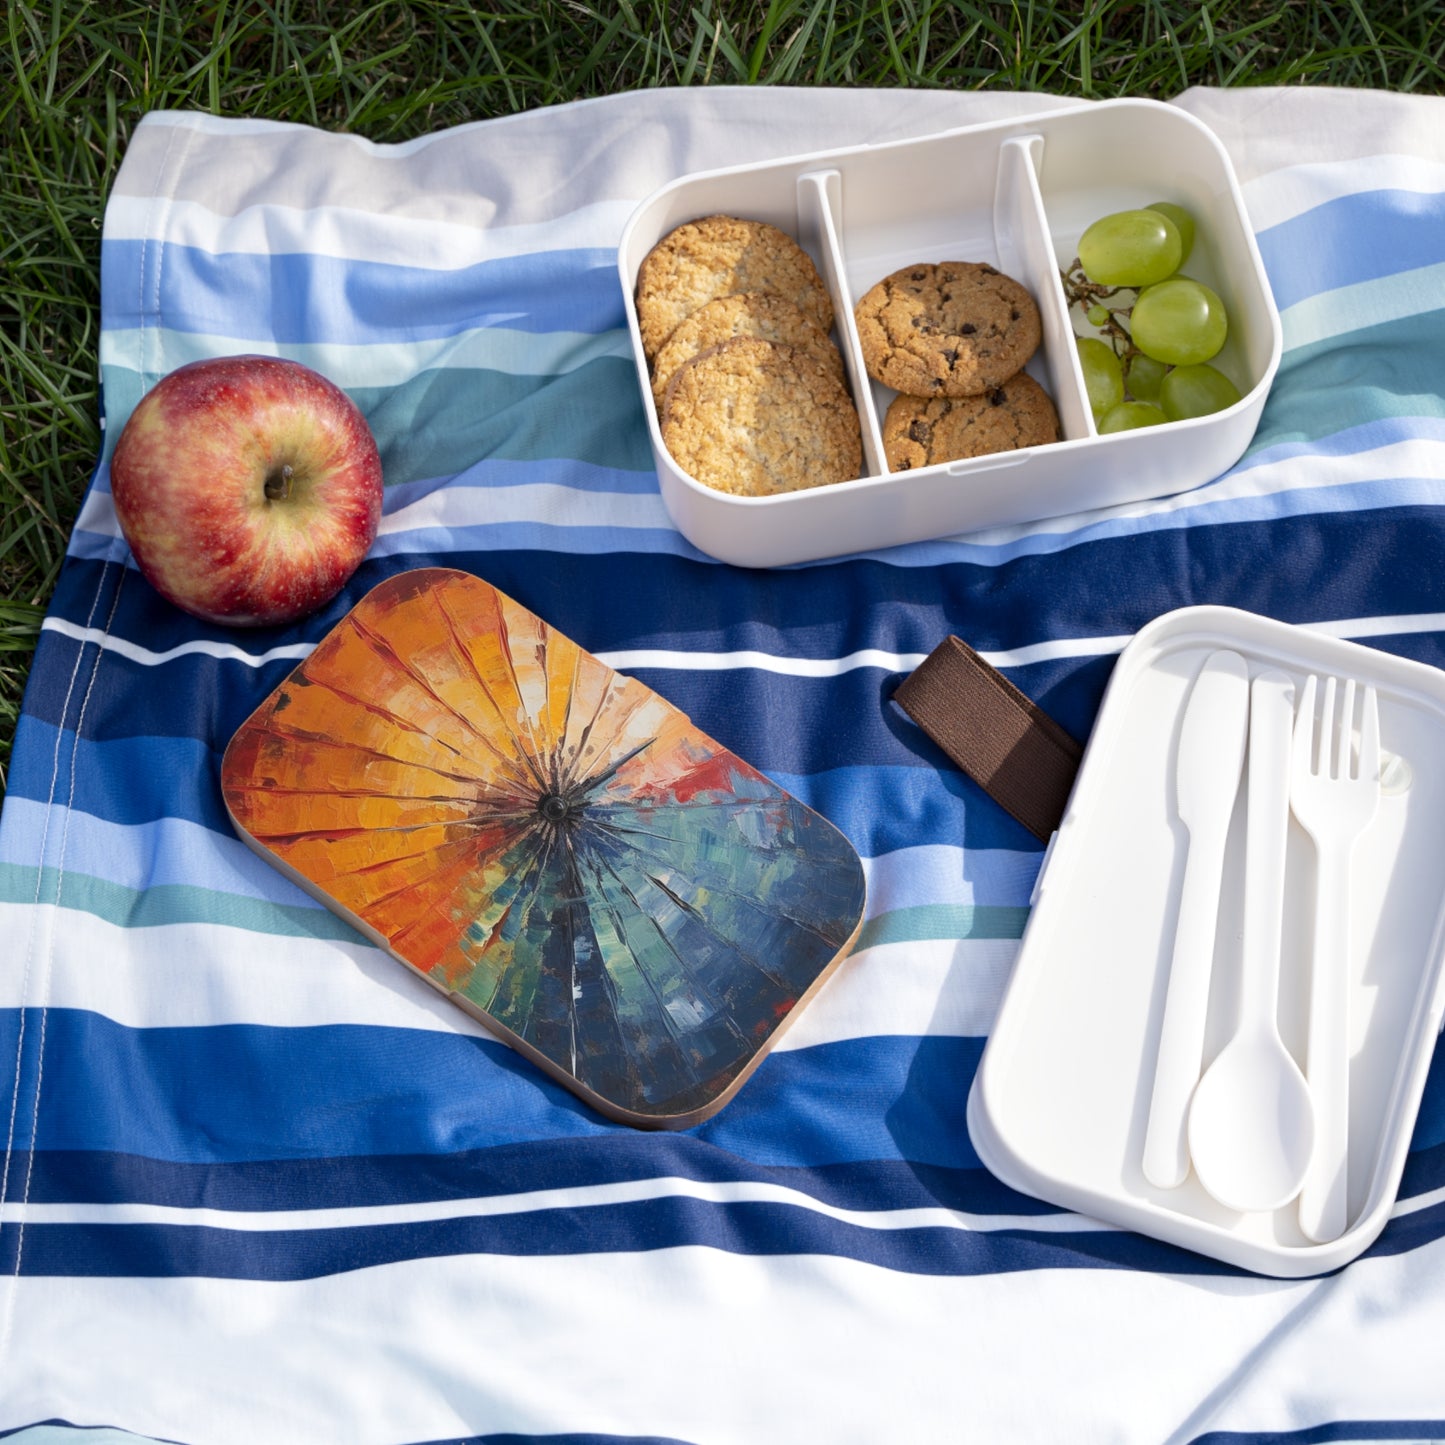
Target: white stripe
590,1196
595,1196
354,366
429,243
196,975
663,659
1293,190
696,1343
544,502
1239,494
1419,457
923,988
641,657
203,647
185,975
1418,1202
1362,305
538,503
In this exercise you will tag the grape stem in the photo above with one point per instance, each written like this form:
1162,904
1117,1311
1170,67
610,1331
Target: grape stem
1086,295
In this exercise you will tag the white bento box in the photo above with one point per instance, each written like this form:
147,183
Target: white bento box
1016,195
1061,1102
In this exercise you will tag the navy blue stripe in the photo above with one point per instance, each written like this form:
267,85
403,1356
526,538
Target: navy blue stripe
1410,1231
567,1439
570,1438
206,699
1417,1432
1425,1164
58,1176
1340,565
299,297
753,1229
1353,238
205,1094
507,1438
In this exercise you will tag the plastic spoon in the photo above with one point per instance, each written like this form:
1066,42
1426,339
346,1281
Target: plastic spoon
1251,1122
1211,755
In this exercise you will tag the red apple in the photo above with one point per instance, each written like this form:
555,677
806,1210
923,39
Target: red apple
248,487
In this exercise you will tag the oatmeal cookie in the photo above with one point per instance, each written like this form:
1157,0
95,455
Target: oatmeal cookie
752,417
918,432
748,313
717,256
955,328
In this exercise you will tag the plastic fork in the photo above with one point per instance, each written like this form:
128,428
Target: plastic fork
1334,793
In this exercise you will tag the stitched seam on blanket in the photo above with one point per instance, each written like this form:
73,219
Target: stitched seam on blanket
49,969
30,952
165,192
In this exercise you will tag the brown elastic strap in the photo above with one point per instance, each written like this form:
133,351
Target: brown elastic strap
1009,746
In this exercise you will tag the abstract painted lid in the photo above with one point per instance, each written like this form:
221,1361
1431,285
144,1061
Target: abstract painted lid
550,843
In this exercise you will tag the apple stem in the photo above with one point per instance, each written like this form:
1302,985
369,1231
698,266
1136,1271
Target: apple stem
278,484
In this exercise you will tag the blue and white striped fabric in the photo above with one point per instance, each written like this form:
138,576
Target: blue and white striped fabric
258,1184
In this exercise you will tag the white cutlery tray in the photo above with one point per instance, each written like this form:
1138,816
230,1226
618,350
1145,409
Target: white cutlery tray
1060,1104
1016,195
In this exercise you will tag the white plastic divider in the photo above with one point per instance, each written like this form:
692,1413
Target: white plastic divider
820,224
1025,252
1026,248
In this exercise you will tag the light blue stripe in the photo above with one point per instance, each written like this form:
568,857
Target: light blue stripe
307,299
1353,238
148,779
1384,491
77,1435
175,853
168,852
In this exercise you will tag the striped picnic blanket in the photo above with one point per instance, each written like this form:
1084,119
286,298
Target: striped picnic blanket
259,1184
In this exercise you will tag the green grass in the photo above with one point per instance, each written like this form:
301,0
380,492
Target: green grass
76,77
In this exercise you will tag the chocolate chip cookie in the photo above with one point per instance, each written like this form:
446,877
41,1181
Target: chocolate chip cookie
955,328
717,256
752,417
749,313
918,432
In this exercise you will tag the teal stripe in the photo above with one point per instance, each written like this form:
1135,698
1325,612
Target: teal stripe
442,422
439,423
1378,373
942,921
168,903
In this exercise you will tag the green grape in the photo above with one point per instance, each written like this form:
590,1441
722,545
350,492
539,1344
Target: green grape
1183,223
1129,415
1098,315
1144,376
1196,391
1103,376
1179,322
1130,248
